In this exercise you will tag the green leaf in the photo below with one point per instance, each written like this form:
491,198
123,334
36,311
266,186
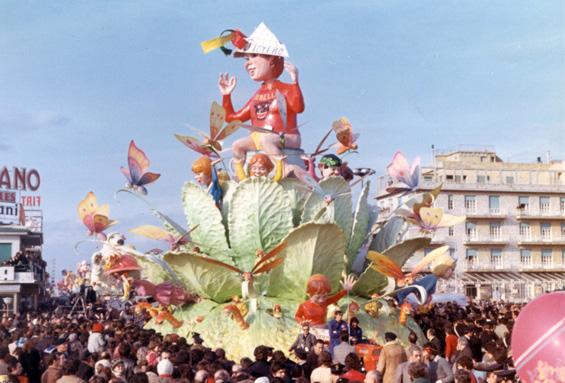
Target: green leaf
387,236
403,251
155,269
203,278
312,248
361,222
297,195
200,209
228,188
259,218
369,283
338,211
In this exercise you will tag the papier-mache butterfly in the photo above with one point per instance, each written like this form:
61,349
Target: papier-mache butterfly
345,136
154,232
404,176
136,172
94,217
211,145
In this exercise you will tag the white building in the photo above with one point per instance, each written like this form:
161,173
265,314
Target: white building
512,245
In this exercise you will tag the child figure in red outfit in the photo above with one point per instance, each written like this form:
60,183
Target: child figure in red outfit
315,310
274,106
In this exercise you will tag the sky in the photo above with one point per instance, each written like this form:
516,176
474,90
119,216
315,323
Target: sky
80,79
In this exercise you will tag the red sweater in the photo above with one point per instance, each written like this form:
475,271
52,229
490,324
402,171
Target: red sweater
264,113
450,345
314,312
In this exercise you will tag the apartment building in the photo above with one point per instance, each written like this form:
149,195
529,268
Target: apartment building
512,245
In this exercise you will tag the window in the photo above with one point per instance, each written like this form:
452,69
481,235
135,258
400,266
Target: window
428,178
525,231
546,257
5,252
562,205
494,204
495,231
496,258
524,204
450,201
544,205
563,257
470,203
452,252
545,231
525,257
509,180
471,257
562,230
471,230
481,179
450,231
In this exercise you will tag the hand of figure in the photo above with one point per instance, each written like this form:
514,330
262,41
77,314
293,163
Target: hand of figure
226,83
292,71
348,282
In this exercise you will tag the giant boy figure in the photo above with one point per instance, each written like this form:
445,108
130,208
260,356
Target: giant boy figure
274,107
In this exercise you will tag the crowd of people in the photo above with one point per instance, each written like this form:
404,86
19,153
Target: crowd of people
108,344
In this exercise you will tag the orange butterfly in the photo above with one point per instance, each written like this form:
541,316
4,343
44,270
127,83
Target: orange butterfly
94,217
344,134
211,144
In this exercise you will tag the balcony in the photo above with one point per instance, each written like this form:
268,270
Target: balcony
493,239
547,240
492,213
495,265
544,212
11,274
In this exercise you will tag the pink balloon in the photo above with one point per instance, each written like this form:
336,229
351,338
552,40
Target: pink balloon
538,339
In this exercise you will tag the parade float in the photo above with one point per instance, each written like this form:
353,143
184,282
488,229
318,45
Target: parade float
275,244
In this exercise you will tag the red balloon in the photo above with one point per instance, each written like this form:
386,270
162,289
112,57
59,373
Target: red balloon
538,339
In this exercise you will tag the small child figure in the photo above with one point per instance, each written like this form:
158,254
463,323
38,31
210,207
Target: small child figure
260,165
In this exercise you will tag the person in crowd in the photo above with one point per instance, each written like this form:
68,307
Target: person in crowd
304,342
391,356
54,368
402,371
96,340
353,369
342,349
323,373
439,369
70,368
419,373
335,327
355,332
450,343
412,344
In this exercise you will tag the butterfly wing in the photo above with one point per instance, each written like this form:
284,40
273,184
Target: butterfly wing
148,178
195,144
414,179
343,131
430,217
127,174
429,258
138,163
153,232
385,265
398,168
217,119
451,220
87,206
228,130
101,223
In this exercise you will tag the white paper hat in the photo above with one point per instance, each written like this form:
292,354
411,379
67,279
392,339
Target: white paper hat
263,41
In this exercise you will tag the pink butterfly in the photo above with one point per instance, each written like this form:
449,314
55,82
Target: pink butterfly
136,173
94,217
404,176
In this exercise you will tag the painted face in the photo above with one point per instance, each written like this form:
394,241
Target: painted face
258,170
328,171
262,110
259,67
202,179
318,298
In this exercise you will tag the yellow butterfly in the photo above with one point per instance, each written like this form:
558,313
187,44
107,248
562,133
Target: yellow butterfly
211,144
94,217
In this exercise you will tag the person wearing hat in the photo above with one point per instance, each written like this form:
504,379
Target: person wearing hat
118,371
165,371
274,107
96,340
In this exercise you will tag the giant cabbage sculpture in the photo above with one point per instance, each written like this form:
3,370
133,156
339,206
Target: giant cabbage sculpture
320,237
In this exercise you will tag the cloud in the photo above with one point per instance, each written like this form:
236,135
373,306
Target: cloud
5,147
